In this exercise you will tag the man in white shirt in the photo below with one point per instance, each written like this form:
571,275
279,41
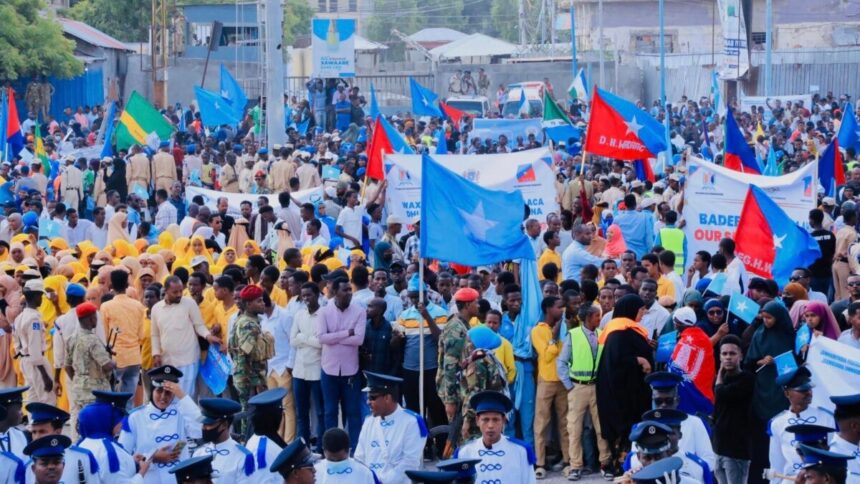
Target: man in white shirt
736,275
167,213
667,268
97,231
76,228
656,315
277,322
186,226
349,222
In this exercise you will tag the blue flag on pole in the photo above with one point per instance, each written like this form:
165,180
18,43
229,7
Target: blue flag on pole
4,116
771,167
215,370
214,110
665,347
374,104
743,307
441,143
489,220
848,135
233,93
423,100
802,338
717,283
107,150
530,312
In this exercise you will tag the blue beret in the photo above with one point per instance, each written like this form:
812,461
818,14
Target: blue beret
194,468
813,457
663,380
215,409
30,219
44,413
75,290
656,472
238,147
809,432
263,151
48,445
380,383
190,149
490,401
269,398
484,338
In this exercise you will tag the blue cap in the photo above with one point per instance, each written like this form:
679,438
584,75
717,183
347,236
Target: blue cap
846,399
75,290
815,457
651,437
484,338
162,374
666,416
194,468
270,398
44,413
30,219
115,399
48,445
657,472
164,144
380,383
215,409
238,147
490,401
463,467
360,172
190,149
663,380
798,379
293,456
847,406
263,151
415,284
809,432
10,396
436,477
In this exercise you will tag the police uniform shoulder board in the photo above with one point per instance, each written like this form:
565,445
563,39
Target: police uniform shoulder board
422,426
94,464
706,469
249,459
20,469
770,423
261,453
530,452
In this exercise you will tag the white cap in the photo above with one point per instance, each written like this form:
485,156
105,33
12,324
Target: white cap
685,315
198,259
34,285
636,184
647,202
393,219
829,201
675,177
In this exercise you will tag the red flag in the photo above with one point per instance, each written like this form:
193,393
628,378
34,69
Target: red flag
379,146
694,356
454,114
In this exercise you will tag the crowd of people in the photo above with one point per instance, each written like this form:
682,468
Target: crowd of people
119,291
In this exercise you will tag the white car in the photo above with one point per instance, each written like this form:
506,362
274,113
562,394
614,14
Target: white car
478,106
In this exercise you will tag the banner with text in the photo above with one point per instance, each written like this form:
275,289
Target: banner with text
529,171
333,47
734,61
234,200
835,369
714,197
512,128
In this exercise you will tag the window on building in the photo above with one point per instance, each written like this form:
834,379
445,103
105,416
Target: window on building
759,38
649,43
321,7
332,6
353,5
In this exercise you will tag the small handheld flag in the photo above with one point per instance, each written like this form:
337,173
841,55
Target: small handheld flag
665,347
802,338
785,364
743,307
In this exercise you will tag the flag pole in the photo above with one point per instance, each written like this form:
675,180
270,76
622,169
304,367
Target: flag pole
421,335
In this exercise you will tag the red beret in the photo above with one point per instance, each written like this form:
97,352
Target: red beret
251,292
85,309
466,294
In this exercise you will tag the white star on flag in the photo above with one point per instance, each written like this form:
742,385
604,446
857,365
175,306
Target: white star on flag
777,241
225,94
217,106
633,126
424,101
477,224
741,306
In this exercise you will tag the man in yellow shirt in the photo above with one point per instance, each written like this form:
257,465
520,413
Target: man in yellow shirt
225,306
550,254
550,391
505,352
124,315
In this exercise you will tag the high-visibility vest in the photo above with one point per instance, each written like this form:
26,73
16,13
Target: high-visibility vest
583,364
673,239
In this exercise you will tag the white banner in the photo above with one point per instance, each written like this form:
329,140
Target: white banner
747,103
210,198
529,171
714,197
735,58
333,45
835,369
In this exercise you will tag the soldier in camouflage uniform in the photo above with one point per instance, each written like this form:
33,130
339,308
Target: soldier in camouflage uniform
452,352
483,371
87,362
250,348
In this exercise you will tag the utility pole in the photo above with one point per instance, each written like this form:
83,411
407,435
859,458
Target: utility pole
573,65
600,35
158,50
522,23
667,156
272,60
768,45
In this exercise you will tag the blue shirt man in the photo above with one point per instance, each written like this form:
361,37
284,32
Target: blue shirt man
636,227
575,256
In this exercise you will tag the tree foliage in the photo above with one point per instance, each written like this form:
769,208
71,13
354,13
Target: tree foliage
297,20
32,44
126,20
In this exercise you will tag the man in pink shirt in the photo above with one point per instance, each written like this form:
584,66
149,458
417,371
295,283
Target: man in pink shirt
341,332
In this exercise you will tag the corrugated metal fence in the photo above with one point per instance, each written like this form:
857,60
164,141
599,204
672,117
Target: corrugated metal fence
84,90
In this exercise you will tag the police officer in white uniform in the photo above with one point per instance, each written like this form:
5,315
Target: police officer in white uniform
782,453
49,455
296,463
81,466
160,429
653,443
846,440
12,439
266,444
11,466
338,466
233,462
822,465
392,438
97,424
504,460
694,466
695,438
